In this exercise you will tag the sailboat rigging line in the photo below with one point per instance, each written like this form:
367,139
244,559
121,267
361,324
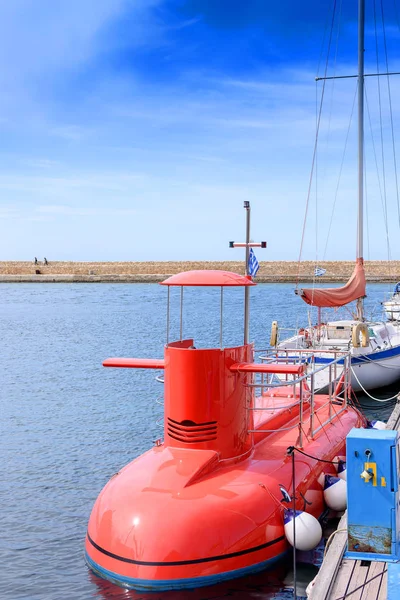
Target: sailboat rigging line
316,191
340,174
379,364
315,147
355,76
379,180
360,128
373,146
323,41
390,111
381,135
397,14
366,208
321,193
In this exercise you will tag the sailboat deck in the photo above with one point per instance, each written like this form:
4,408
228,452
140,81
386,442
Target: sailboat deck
341,578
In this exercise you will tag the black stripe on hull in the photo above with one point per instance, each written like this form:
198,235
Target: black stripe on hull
179,563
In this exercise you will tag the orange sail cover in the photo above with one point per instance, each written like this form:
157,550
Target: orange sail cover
334,297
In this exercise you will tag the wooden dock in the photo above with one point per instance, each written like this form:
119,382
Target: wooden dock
340,578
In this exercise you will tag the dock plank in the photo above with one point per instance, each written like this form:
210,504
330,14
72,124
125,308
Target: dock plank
343,581
383,591
331,563
360,576
373,589
394,419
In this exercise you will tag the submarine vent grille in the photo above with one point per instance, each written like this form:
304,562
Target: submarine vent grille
189,432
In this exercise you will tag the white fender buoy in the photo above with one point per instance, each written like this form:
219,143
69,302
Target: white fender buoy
342,470
335,493
308,529
376,425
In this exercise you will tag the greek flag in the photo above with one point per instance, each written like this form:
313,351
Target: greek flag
318,271
253,265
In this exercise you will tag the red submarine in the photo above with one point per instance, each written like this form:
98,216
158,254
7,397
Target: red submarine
238,472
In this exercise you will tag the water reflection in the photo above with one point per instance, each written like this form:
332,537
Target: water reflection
260,586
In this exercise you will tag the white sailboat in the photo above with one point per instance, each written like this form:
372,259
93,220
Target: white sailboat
374,346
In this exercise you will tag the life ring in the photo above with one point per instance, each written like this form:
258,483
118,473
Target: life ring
355,335
274,334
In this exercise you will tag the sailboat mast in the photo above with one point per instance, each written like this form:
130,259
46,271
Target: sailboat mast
361,27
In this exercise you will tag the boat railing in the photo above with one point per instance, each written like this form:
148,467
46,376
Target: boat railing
306,355
302,390
394,296
288,332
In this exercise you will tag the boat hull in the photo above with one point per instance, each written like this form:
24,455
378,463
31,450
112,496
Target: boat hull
376,370
372,367
369,372
153,585
180,518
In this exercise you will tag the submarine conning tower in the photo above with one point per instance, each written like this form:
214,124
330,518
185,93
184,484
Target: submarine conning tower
206,393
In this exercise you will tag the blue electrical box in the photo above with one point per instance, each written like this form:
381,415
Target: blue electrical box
373,516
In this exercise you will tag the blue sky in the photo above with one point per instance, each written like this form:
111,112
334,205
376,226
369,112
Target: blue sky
135,129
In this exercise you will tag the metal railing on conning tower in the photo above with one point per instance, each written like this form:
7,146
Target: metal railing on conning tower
331,378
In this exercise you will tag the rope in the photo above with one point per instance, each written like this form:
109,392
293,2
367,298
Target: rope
362,586
274,498
328,541
331,462
368,394
354,401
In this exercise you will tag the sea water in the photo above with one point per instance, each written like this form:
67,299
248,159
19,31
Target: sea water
67,424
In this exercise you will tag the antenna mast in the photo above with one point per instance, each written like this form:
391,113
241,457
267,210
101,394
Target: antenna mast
247,244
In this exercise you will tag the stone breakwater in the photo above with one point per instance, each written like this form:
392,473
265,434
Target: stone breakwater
144,272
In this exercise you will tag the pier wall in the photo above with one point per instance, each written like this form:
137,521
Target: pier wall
273,272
